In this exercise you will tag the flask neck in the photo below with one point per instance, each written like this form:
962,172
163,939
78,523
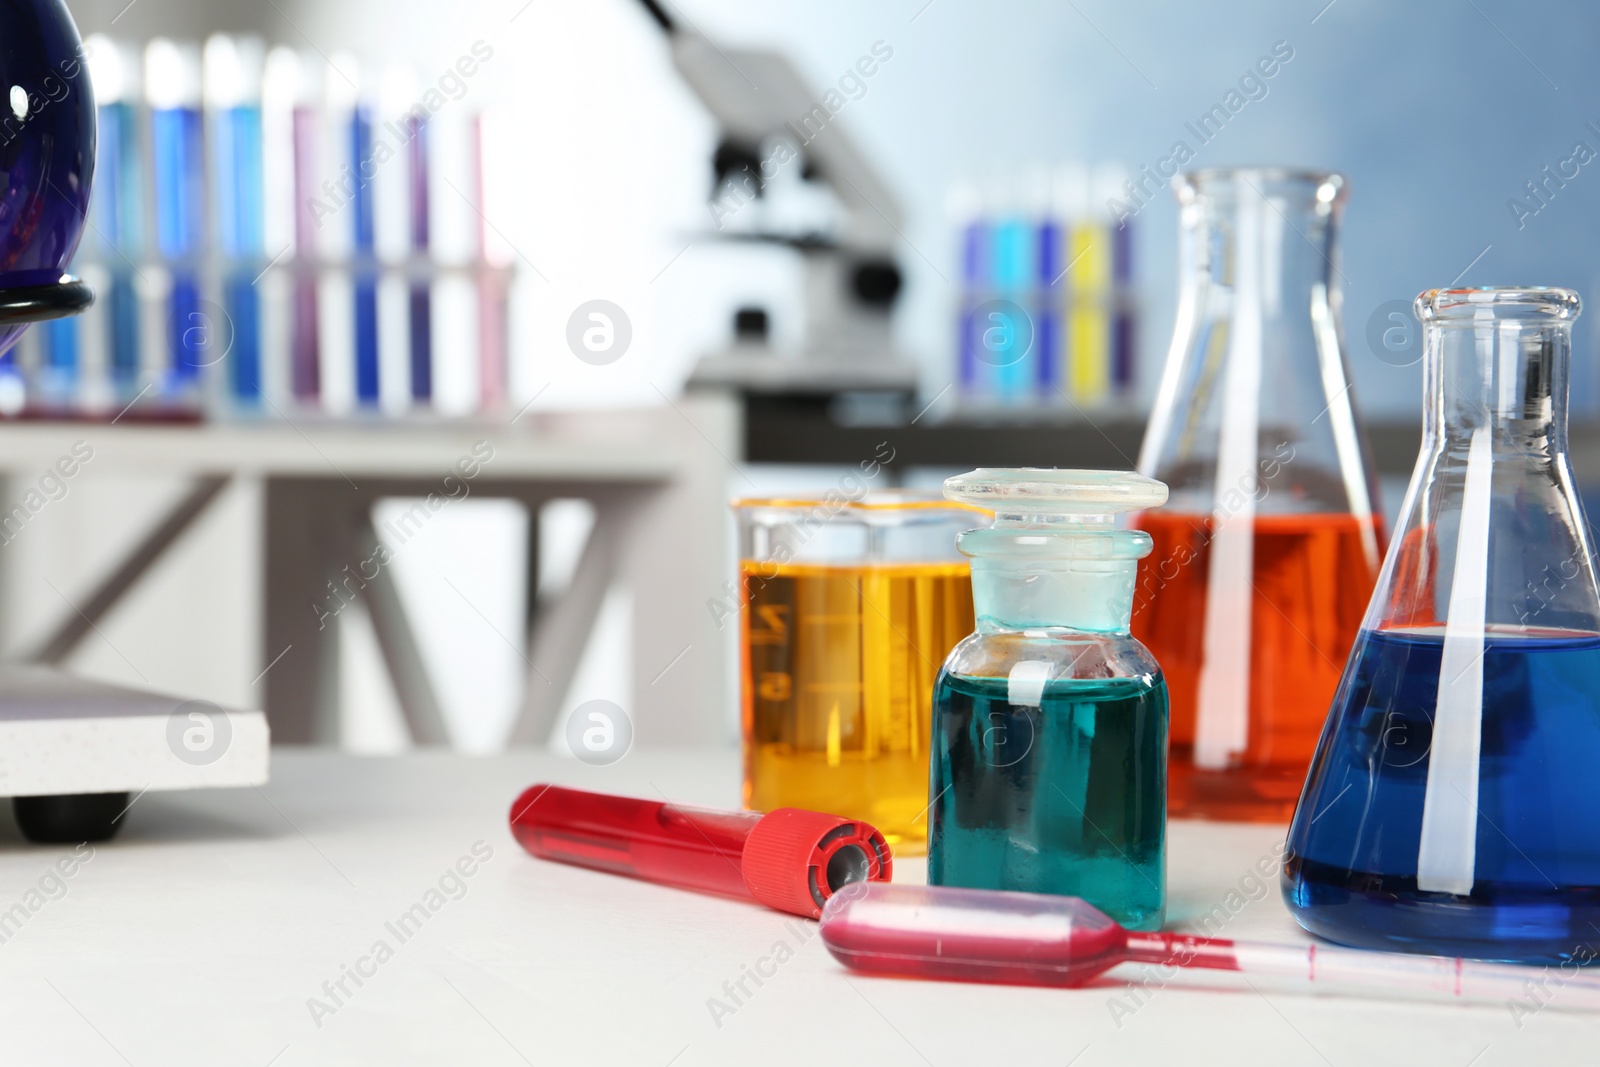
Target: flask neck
1269,240
1255,402
1507,375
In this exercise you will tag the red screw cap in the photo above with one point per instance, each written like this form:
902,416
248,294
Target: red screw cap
795,860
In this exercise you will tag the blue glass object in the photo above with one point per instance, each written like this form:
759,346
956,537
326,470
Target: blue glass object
1451,806
1048,755
47,145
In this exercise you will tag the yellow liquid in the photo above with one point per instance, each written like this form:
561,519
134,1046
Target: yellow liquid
838,668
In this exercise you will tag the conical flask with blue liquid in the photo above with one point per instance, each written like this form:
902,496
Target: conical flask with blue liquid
1451,807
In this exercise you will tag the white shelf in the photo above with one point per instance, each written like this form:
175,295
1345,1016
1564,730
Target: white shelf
591,449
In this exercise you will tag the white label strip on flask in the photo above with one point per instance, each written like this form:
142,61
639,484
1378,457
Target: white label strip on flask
1025,684
1447,853
1222,715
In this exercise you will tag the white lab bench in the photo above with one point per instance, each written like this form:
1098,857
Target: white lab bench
202,935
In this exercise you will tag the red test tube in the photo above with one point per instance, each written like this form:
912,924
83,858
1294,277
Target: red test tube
787,859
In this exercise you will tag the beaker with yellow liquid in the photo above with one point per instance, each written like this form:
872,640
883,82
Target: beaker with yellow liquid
849,606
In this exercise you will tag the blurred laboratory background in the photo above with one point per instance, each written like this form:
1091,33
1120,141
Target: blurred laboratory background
568,162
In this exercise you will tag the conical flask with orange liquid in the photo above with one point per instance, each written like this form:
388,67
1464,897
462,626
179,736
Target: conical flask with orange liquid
1270,545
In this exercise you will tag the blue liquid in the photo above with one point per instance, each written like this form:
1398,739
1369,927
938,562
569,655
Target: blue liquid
179,165
974,277
189,331
1069,797
366,289
1013,278
421,342
244,310
1048,359
123,301
1350,870
366,280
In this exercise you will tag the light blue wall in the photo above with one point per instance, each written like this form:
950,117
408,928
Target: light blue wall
1436,116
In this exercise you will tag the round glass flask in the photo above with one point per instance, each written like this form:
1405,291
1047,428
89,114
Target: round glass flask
850,602
1267,552
1049,752
1451,806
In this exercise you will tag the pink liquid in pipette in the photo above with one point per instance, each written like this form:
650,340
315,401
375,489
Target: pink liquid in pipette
976,935
982,935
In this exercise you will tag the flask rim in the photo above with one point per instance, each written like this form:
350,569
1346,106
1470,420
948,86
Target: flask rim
1327,186
1465,307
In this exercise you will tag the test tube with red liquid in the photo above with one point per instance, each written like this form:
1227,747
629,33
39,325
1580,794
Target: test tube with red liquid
787,859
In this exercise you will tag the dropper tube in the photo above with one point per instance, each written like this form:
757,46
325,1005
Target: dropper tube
975,935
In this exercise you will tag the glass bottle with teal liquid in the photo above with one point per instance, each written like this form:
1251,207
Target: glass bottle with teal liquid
1049,749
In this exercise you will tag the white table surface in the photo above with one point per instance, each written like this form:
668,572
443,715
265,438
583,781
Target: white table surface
199,936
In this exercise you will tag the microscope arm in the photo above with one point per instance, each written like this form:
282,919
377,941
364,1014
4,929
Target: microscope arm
757,96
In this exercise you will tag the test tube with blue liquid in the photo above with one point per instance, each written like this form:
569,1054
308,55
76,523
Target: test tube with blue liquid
60,372
172,87
1117,298
1049,237
1124,314
233,97
363,254
393,217
1009,336
966,206
118,207
420,302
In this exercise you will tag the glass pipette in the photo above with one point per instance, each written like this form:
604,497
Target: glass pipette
980,935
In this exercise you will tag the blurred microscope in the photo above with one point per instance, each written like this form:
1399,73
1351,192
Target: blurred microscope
842,220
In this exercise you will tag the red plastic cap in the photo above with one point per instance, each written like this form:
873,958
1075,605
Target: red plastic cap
795,860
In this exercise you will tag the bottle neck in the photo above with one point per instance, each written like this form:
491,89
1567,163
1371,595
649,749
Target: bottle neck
1506,375
1039,579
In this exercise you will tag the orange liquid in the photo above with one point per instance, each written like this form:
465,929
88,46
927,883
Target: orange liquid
838,666
1313,577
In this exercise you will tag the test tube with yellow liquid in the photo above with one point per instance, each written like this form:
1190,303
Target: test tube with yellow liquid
849,606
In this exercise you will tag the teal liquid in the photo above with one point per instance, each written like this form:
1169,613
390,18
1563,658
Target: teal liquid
1069,797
